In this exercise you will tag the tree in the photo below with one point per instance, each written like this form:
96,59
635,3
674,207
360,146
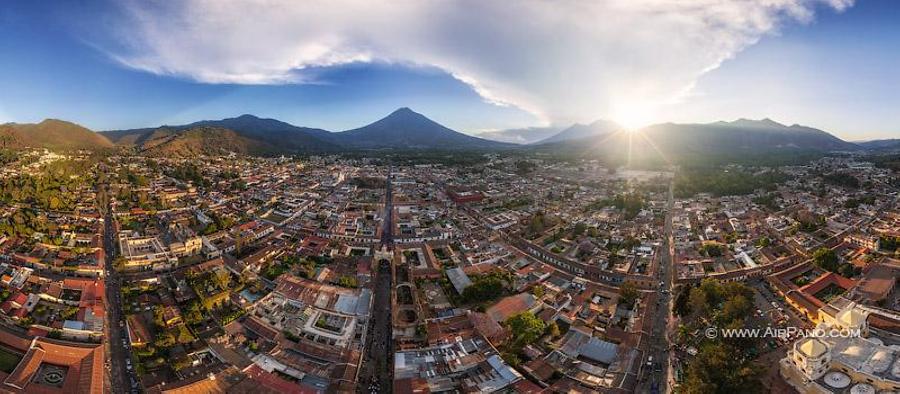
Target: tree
165,339
223,278
720,368
239,241
538,291
511,358
826,259
842,179
720,182
182,363
579,228
698,301
348,281
525,328
848,270
485,288
722,365
628,294
69,313
193,314
711,249
159,316
184,336
552,330
211,228
119,263
888,244
537,224
682,306
736,308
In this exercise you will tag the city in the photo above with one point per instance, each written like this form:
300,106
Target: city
656,197
336,274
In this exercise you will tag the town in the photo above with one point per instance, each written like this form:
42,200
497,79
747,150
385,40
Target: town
510,273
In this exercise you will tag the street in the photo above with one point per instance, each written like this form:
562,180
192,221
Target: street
376,375
387,233
122,375
657,369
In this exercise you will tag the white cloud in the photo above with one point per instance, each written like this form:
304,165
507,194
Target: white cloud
563,61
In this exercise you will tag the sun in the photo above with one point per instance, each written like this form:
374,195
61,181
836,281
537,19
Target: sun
632,116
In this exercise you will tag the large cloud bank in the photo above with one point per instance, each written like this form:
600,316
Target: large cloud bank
562,61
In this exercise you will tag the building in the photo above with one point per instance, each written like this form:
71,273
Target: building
53,366
877,284
141,251
513,305
863,241
465,196
459,279
846,355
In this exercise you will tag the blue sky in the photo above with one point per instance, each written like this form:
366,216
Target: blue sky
110,65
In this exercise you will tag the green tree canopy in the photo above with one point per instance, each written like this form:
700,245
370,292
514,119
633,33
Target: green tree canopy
826,259
525,328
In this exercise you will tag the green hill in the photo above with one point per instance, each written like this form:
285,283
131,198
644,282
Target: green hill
51,134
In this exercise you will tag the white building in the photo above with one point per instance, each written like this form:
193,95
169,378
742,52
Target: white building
845,354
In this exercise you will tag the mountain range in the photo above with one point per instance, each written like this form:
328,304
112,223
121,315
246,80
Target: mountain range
579,131
402,129
523,136
405,129
258,135
892,144
674,142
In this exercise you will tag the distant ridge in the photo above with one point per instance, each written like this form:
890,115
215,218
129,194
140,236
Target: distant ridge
671,142
892,144
405,129
579,131
201,140
523,136
289,138
276,132
402,129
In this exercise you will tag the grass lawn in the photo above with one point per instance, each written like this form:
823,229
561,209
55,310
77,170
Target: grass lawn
8,360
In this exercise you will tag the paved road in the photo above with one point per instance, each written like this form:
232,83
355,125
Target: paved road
122,379
657,365
377,369
387,233
377,366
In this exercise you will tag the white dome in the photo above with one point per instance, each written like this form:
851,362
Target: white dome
862,388
851,317
881,361
853,350
812,347
837,380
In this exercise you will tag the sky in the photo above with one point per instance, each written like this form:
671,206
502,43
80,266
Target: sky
471,65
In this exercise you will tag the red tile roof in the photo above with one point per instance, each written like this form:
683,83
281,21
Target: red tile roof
84,363
510,306
273,382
